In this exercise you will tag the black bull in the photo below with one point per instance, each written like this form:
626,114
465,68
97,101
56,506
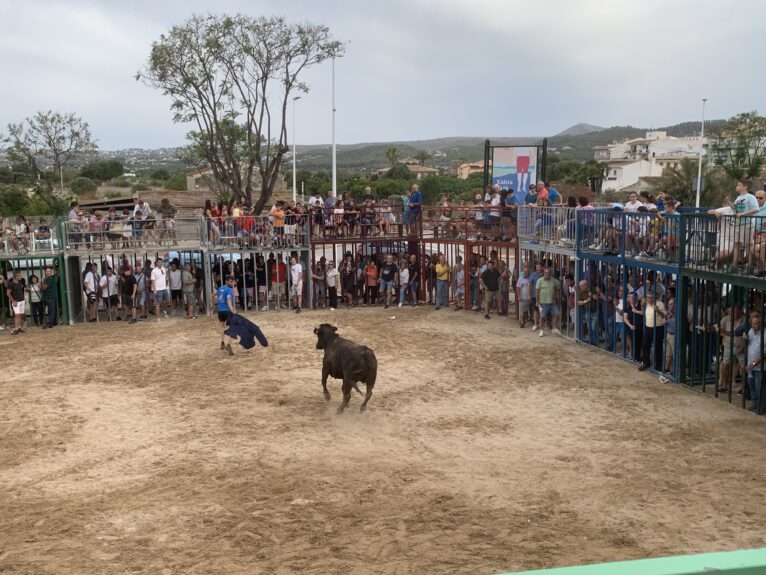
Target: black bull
348,361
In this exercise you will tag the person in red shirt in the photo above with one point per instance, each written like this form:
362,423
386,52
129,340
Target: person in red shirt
542,191
278,271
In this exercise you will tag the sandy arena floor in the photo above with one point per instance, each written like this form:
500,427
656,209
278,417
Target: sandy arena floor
143,449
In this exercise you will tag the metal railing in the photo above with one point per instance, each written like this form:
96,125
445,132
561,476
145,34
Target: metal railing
360,222
100,234
726,243
37,235
256,232
547,224
639,235
473,223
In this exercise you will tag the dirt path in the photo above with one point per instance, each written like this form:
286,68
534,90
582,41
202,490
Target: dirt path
143,449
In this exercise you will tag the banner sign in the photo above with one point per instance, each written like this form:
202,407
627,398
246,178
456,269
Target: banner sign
515,167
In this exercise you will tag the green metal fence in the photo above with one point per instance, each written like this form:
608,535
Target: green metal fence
747,562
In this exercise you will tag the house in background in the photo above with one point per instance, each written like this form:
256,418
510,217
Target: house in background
465,170
629,161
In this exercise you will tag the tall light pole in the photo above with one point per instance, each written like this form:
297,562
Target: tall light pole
702,149
295,98
334,191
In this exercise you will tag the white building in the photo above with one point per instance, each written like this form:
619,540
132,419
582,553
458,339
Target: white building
646,157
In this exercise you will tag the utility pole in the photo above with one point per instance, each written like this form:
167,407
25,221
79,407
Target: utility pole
702,149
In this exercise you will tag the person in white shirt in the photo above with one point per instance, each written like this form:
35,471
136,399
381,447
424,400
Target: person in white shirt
333,279
744,205
159,287
296,283
90,286
632,204
109,285
725,236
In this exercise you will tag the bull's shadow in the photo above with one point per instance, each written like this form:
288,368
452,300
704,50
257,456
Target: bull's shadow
346,360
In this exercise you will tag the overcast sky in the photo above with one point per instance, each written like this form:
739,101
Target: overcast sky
414,69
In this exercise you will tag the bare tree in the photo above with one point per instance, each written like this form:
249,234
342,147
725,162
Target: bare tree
233,76
49,141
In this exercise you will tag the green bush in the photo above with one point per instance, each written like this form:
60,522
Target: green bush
139,187
102,170
112,194
82,186
176,182
121,183
13,200
161,174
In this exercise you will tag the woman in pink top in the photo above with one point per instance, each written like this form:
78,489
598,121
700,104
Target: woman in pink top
371,278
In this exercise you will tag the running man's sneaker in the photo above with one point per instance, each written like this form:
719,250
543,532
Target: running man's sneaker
664,379
229,350
223,345
556,331
540,334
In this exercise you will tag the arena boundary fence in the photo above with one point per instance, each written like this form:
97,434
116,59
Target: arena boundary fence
744,562
337,250
471,252
711,338
35,264
562,263
259,289
142,261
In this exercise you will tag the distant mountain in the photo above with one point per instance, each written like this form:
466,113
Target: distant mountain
575,143
580,129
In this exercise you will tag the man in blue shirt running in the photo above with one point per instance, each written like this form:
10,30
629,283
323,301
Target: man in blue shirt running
225,310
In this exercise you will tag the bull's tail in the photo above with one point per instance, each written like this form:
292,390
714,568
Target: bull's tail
372,368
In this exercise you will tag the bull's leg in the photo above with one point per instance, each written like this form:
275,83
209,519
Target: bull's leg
347,387
370,383
325,373
367,397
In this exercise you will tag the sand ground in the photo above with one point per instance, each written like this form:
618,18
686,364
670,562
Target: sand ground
144,449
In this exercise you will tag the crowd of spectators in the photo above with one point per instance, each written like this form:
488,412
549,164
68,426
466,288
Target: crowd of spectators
129,228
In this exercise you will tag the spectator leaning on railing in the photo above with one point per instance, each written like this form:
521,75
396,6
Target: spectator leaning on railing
756,252
745,205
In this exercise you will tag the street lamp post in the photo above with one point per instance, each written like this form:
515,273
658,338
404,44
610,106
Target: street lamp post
334,150
702,149
295,98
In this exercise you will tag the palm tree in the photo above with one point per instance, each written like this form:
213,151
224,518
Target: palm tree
679,181
392,155
422,156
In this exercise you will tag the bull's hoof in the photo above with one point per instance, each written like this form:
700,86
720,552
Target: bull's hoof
326,395
363,409
340,409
